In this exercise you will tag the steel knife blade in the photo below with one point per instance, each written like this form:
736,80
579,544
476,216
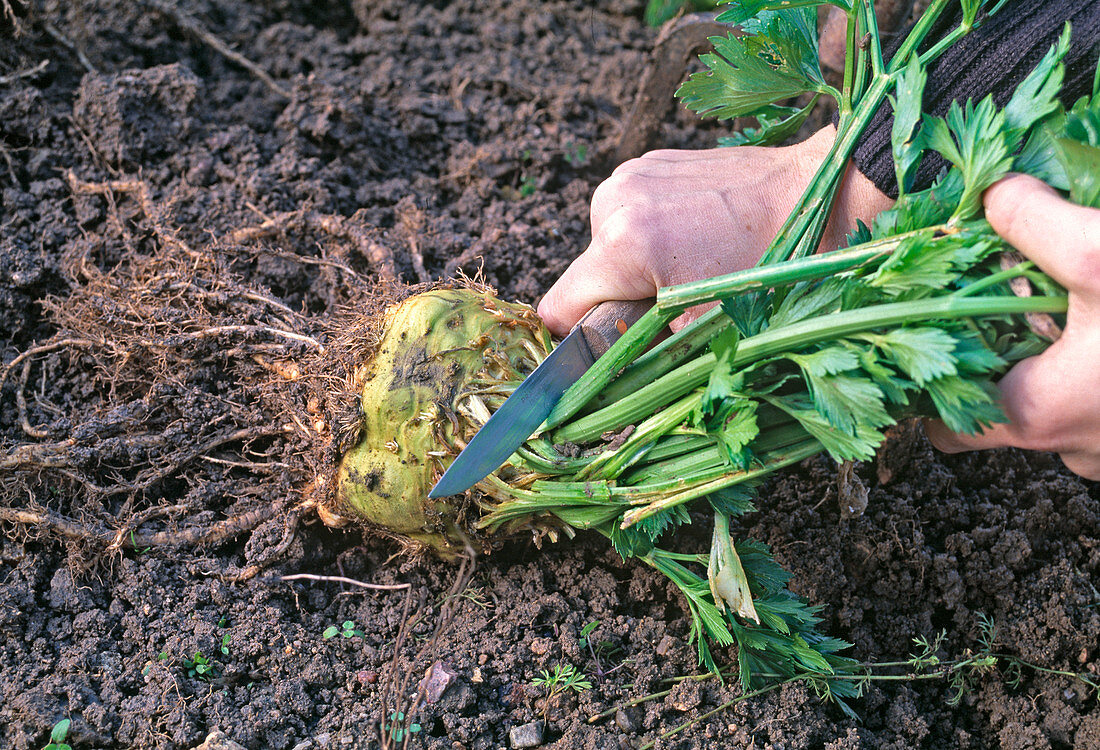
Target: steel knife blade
533,400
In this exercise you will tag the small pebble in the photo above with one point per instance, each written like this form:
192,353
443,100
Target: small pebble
624,722
540,646
527,735
665,645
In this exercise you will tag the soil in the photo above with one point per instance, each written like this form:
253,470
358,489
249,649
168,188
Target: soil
414,139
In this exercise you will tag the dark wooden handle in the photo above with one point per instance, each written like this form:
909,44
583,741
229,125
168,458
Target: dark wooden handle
606,322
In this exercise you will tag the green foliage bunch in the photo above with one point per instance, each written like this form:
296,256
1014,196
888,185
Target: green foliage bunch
809,353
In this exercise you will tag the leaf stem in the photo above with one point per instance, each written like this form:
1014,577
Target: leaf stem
621,353
917,35
683,379
846,97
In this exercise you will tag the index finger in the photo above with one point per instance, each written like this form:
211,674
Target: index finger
1062,238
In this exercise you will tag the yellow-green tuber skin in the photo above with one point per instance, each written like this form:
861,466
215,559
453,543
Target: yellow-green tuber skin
447,357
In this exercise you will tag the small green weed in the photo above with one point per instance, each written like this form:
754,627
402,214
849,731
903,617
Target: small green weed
346,629
57,736
133,543
587,631
564,677
201,666
600,650
576,154
396,728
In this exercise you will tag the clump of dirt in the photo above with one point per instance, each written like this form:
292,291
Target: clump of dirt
179,234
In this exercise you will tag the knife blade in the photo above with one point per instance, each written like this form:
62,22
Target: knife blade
533,400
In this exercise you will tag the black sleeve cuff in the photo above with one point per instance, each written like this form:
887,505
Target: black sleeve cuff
992,58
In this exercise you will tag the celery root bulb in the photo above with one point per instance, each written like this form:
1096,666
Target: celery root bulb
445,360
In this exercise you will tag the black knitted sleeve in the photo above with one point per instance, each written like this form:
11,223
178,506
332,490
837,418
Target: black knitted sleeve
992,58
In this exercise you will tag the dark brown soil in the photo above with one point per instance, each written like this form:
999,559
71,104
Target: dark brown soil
449,135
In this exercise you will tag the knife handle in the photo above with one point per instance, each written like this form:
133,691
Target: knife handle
605,323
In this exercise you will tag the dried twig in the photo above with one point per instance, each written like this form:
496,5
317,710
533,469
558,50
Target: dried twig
70,45
24,73
9,13
338,226
42,349
21,404
174,339
349,581
394,690
190,24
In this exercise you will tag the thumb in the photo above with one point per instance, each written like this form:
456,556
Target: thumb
1057,235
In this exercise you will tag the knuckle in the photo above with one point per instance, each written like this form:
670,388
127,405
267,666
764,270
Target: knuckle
666,154
632,166
616,191
629,230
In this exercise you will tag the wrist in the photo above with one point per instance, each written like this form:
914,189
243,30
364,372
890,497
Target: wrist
857,198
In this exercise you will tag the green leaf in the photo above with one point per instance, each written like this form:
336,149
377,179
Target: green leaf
859,235
1037,95
766,576
776,124
733,501
808,301
921,353
923,263
828,361
60,731
842,446
892,386
724,343
655,525
973,357
904,137
776,60
974,140
749,312
1039,158
850,403
743,10
722,385
964,405
846,401
926,208
1082,168
737,429
330,631
1082,122
632,542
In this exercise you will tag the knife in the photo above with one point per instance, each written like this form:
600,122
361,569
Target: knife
533,400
